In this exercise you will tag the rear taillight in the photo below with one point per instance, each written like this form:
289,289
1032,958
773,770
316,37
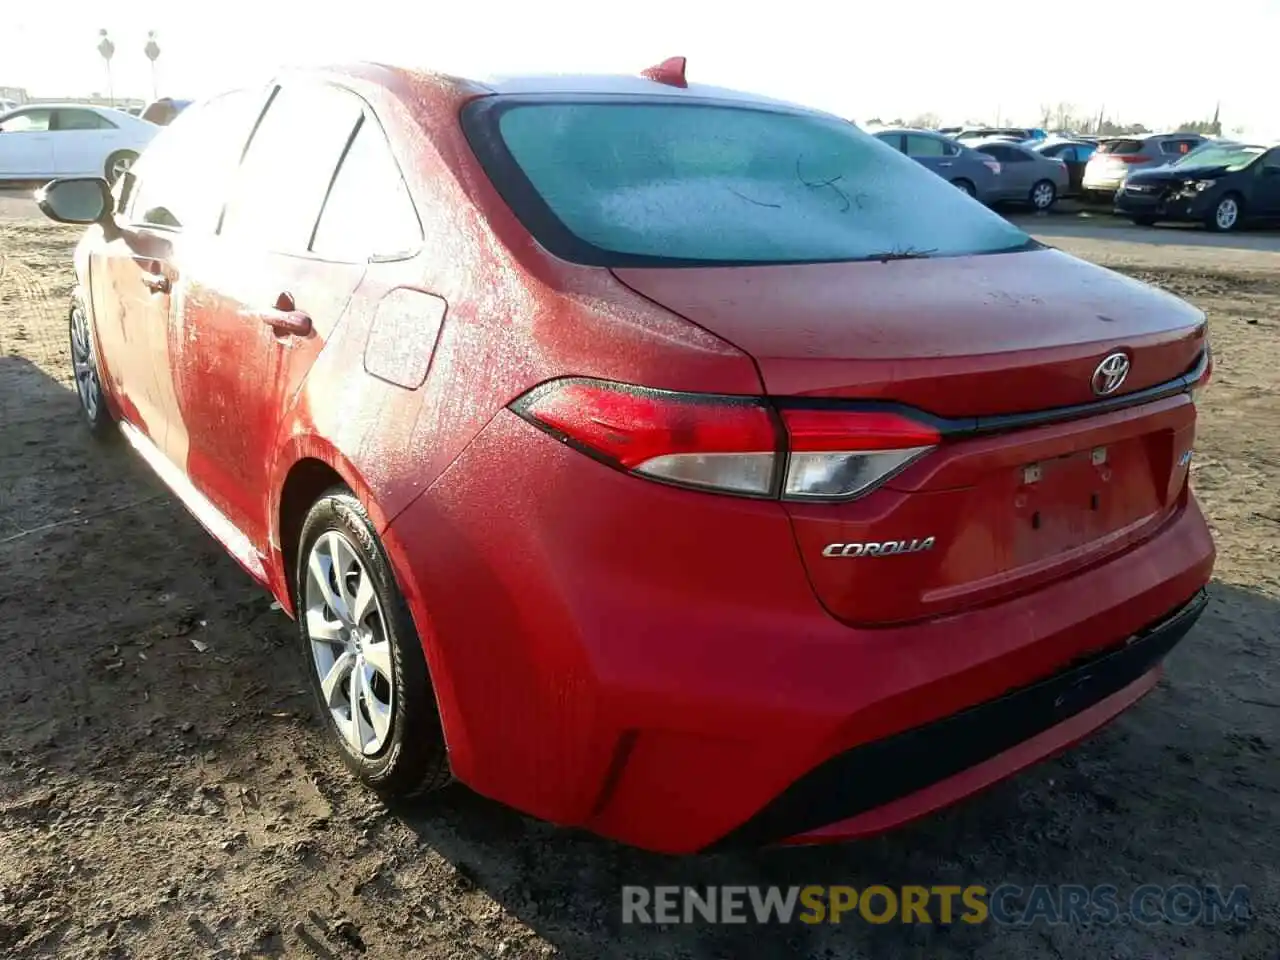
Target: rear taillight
1202,381
1128,157
992,165
836,454
735,445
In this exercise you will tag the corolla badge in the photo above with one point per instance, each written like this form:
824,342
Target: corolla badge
886,548
1110,373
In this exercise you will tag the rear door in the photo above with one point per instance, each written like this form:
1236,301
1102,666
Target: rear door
82,141
932,152
26,145
257,305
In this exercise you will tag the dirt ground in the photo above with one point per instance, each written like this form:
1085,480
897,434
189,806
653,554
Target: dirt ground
165,792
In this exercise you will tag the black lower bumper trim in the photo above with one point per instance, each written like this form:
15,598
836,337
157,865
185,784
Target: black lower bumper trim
873,774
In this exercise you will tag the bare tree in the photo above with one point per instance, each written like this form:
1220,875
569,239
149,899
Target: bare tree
1064,116
926,121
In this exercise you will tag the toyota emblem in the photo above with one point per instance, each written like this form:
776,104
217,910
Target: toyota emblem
1110,373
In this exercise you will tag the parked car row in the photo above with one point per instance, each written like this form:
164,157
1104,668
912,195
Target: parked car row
1184,176
992,170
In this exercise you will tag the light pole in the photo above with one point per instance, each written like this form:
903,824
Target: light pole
107,50
152,50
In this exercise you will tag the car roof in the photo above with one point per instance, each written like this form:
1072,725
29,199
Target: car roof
624,85
405,79
997,142
918,130
66,105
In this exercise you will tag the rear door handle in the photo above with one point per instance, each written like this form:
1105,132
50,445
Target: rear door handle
153,277
286,318
945,163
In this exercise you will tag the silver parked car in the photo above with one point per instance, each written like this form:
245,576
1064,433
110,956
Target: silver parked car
1026,176
1117,157
976,174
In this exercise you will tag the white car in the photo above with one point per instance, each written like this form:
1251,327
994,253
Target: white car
40,141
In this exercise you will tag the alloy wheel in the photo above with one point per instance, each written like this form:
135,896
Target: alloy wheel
82,362
1227,213
120,166
1043,195
350,648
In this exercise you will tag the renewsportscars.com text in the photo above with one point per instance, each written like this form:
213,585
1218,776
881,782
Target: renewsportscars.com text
1006,904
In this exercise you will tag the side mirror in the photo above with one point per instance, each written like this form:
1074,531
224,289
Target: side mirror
1271,171
83,200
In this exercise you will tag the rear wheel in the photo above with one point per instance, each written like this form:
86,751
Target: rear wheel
362,654
1043,195
1226,215
118,164
84,365
965,186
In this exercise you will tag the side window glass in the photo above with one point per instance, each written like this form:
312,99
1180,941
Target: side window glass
29,121
1067,155
289,165
369,212
181,181
80,120
924,147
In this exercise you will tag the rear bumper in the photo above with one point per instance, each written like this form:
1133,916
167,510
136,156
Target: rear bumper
926,767
652,663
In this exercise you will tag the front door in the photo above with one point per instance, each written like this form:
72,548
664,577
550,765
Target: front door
131,298
1267,191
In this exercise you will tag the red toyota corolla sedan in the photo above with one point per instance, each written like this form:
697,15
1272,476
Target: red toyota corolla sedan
664,460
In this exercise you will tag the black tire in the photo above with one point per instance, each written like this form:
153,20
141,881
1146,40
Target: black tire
1144,221
1040,190
87,373
965,186
111,169
1215,222
413,760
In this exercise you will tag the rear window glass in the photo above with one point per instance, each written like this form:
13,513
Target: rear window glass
659,183
1120,146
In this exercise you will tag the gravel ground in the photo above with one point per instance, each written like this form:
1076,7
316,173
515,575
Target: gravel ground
166,792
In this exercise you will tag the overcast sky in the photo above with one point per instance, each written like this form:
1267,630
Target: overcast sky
1159,63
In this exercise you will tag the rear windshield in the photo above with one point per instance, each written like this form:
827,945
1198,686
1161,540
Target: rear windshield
1120,146
657,183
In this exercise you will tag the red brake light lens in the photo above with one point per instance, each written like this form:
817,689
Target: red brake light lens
726,443
729,444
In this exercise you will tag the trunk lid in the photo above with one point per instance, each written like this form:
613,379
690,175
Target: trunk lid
955,336
1000,506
